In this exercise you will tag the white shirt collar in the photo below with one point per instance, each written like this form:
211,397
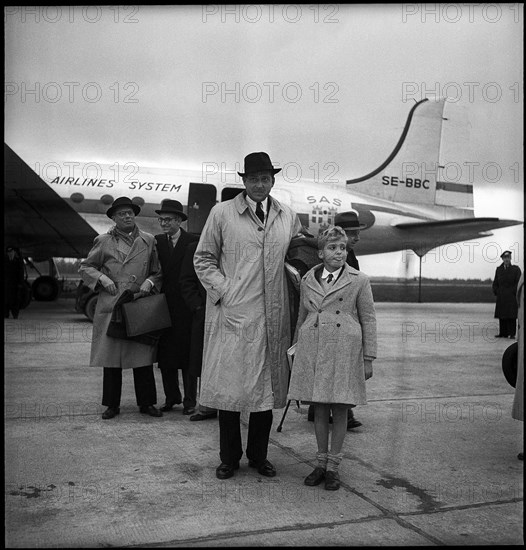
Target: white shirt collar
253,205
335,274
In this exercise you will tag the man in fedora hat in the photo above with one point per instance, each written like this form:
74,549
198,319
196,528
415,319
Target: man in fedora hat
174,344
125,258
240,262
350,223
505,289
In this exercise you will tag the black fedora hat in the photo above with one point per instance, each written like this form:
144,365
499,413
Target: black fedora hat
258,162
348,220
169,206
122,201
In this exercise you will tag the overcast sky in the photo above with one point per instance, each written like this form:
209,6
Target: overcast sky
178,86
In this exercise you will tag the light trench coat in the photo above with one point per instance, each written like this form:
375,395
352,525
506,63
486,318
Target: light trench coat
240,262
335,330
140,264
517,410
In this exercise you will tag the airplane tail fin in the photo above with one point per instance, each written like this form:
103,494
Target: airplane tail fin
413,172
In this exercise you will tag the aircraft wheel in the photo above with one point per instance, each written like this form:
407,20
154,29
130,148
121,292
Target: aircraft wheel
89,308
45,289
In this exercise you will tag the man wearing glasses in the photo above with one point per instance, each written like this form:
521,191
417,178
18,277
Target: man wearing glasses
240,261
174,344
125,258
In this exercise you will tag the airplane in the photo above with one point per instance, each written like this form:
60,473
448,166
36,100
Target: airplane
55,209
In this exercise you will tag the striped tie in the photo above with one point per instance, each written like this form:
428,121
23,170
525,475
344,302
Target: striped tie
259,212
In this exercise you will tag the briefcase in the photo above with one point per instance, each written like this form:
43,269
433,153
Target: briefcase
146,315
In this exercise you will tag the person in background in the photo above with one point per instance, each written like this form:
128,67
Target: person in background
517,410
125,258
13,281
194,295
174,344
505,289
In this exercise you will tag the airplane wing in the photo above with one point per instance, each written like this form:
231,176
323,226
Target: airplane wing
36,219
421,237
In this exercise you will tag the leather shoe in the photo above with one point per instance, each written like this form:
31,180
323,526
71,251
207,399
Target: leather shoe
151,410
353,423
265,468
189,410
169,405
224,471
315,477
110,412
332,480
203,416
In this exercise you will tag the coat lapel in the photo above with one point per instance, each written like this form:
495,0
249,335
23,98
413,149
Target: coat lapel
139,244
313,281
347,277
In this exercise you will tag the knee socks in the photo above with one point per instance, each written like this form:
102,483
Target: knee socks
322,460
333,461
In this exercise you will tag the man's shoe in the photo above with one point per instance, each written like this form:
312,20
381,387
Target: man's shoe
224,471
353,423
169,405
265,468
315,477
332,480
203,416
110,412
151,410
189,410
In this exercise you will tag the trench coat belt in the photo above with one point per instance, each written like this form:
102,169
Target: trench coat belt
129,279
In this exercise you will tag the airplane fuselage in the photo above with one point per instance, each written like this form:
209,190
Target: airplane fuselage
90,188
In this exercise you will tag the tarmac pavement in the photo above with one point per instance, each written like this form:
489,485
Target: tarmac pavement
435,462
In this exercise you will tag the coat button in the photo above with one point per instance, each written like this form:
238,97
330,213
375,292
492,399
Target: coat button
337,312
337,324
315,325
260,229
319,310
341,299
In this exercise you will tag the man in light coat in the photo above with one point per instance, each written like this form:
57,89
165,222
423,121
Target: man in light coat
124,258
240,262
517,410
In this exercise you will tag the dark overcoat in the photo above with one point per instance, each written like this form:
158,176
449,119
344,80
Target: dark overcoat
505,289
174,344
13,279
194,294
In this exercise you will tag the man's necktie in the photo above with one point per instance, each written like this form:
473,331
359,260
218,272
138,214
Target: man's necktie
170,244
259,212
330,278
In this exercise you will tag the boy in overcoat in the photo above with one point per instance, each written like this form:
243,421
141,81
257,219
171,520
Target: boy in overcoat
335,346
